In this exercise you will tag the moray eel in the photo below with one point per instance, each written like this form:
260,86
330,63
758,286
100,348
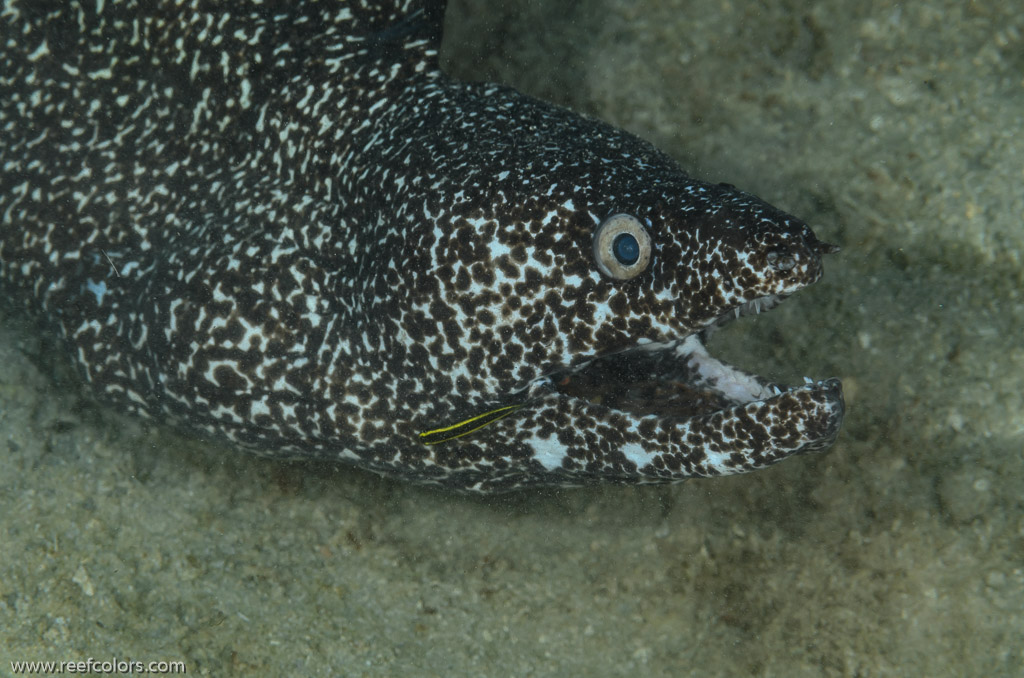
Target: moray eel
281,224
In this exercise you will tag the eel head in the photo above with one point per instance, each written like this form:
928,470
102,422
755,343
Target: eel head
579,296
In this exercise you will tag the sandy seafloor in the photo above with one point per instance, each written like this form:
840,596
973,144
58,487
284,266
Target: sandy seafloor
897,133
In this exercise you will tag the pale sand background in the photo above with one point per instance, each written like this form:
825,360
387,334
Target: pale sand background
898,134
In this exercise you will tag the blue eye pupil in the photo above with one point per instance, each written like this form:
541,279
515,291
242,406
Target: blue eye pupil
626,249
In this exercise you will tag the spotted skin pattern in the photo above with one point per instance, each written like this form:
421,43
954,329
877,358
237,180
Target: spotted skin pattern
281,224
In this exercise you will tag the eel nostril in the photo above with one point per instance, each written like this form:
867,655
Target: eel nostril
819,247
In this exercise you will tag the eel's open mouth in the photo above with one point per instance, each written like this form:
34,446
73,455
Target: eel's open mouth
677,379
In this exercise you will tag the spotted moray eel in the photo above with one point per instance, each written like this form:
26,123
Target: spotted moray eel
281,224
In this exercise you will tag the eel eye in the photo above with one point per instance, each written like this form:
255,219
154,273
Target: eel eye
622,247
626,249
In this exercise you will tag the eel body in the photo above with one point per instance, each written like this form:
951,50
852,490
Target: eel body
282,224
